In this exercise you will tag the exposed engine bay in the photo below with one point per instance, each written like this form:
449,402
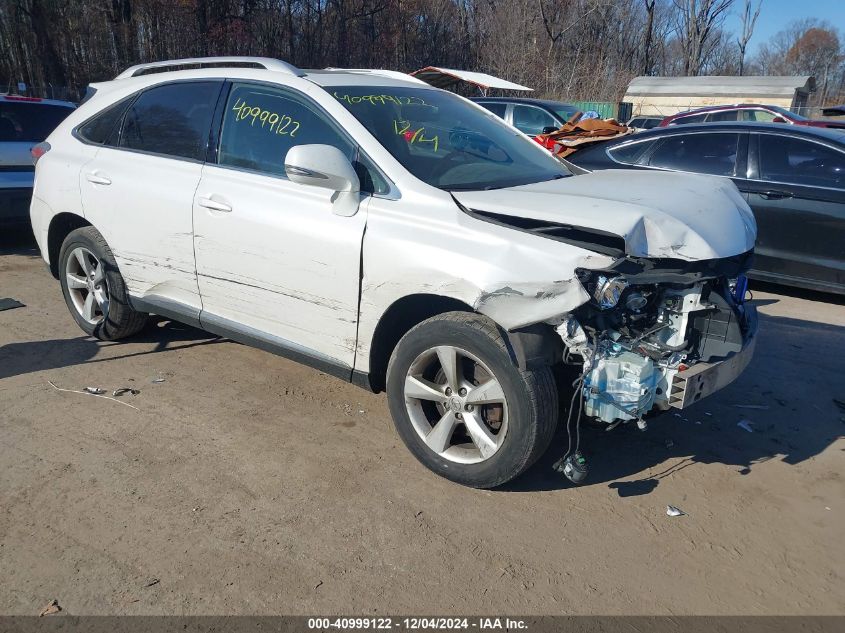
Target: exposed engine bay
652,341
633,341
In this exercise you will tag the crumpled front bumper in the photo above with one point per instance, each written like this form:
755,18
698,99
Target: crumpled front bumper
702,379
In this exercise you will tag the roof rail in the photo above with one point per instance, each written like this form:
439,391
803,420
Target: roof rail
268,63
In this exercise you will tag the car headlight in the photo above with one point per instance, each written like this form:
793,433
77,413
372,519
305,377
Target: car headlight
608,291
605,290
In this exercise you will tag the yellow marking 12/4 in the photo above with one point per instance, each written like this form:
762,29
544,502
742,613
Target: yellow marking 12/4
403,128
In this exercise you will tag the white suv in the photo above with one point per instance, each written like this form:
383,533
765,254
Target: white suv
400,237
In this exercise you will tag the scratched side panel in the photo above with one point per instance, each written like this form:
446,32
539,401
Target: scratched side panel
280,262
145,216
426,244
56,186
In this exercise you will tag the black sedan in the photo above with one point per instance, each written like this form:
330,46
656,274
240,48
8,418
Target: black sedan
793,178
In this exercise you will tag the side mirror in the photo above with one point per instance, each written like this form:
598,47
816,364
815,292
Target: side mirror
550,129
326,167
778,119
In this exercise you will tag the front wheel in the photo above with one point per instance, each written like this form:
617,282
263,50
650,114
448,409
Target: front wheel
461,405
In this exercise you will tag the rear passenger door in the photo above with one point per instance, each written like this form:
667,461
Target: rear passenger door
138,189
797,191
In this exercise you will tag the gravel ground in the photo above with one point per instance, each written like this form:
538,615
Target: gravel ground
246,484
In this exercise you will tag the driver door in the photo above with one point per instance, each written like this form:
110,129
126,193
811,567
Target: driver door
274,264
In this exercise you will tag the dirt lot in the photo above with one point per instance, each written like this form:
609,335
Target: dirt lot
245,483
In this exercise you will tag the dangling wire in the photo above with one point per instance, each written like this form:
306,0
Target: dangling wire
578,391
581,399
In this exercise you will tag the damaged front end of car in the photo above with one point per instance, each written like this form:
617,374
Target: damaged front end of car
659,334
661,319
655,335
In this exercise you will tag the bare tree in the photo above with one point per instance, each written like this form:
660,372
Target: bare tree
649,34
564,49
749,20
697,20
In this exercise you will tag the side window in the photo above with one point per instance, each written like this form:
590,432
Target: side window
531,120
716,117
695,118
631,153
371,179
699,153
173,119
496,108
99,128
758,115
262,123
792,160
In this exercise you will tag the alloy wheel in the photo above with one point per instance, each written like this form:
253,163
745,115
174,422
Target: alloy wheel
87,285
456,405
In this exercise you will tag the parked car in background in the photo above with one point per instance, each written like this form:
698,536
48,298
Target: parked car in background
644,122
746,112
792,176
24,122
394,235
529,116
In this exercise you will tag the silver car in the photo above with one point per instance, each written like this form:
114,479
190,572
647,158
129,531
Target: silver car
24,122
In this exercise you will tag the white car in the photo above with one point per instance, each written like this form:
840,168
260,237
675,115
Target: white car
400,237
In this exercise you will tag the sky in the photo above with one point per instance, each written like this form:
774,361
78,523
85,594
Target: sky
776,14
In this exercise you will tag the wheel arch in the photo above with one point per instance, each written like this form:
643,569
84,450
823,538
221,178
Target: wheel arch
529,347
60,227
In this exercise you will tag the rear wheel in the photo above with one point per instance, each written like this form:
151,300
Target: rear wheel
93,288
461,405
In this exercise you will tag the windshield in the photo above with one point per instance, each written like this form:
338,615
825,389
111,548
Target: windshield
788,113
447,143
564,111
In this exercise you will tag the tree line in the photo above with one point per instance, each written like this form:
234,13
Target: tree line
565,49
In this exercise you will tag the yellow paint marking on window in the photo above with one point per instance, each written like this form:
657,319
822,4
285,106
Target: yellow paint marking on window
273,121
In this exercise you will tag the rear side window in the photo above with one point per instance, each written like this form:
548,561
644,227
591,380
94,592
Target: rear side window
800,162
716,117
699,153
758,115
28,122
496,108
644,124
173,119
631,153
262,123
695,118
531,121
99,128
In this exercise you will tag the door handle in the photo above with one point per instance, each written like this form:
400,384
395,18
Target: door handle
98,179
214,205
775,195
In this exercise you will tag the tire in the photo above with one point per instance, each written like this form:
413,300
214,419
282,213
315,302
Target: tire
118,320
524,404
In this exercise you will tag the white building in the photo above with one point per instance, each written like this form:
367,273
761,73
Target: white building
669,95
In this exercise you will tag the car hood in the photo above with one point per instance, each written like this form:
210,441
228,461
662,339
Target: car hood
658,214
